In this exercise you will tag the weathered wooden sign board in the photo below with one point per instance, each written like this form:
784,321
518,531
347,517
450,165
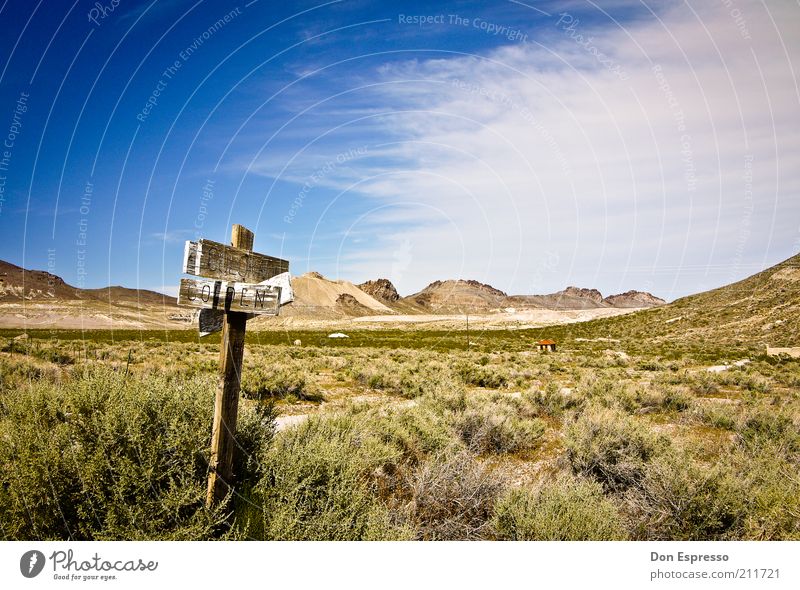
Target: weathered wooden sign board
230,296
213,260
230,290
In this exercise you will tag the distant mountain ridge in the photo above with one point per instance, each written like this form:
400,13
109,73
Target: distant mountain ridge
43,298
460,294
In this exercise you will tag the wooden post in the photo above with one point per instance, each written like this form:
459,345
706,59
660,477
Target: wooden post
226,405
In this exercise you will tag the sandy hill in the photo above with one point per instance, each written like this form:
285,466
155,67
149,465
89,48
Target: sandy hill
458,294
315,296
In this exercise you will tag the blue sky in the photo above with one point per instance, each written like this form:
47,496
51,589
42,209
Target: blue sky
620,145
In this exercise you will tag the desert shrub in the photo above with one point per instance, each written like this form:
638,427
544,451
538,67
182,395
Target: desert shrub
451,498
279,381
553,401
408,378
489,376
19,370
318,485
651,365
665,397
718,416
611,447
566,509
104,457
772,493
679,500
704,383
416,431
489,429
769,427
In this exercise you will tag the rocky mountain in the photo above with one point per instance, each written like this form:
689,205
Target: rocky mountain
381,289
582,298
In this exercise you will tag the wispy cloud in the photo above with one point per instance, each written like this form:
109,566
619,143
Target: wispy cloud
691,158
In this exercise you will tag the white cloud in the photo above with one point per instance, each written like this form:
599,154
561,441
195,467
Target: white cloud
539,149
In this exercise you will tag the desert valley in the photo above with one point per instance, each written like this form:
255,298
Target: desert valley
649,420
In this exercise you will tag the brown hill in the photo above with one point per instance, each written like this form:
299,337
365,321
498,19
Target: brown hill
17,283
458,294
634,299
569,298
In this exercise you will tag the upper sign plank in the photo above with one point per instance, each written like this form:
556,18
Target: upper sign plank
206,258
230,296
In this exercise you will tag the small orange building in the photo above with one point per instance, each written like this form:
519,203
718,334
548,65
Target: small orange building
547,345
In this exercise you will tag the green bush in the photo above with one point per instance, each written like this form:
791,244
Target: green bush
319,484
566,509
104,457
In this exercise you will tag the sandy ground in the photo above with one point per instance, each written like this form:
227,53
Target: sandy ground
79,315
71,315
530,318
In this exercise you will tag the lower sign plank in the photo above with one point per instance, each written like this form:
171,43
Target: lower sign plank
230,296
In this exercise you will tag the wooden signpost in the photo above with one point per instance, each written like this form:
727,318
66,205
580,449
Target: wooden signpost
228,293
228,296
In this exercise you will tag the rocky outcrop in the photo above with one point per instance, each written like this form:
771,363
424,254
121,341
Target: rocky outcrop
589,294
351,306
380,289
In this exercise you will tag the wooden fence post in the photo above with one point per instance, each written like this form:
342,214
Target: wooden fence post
226,404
